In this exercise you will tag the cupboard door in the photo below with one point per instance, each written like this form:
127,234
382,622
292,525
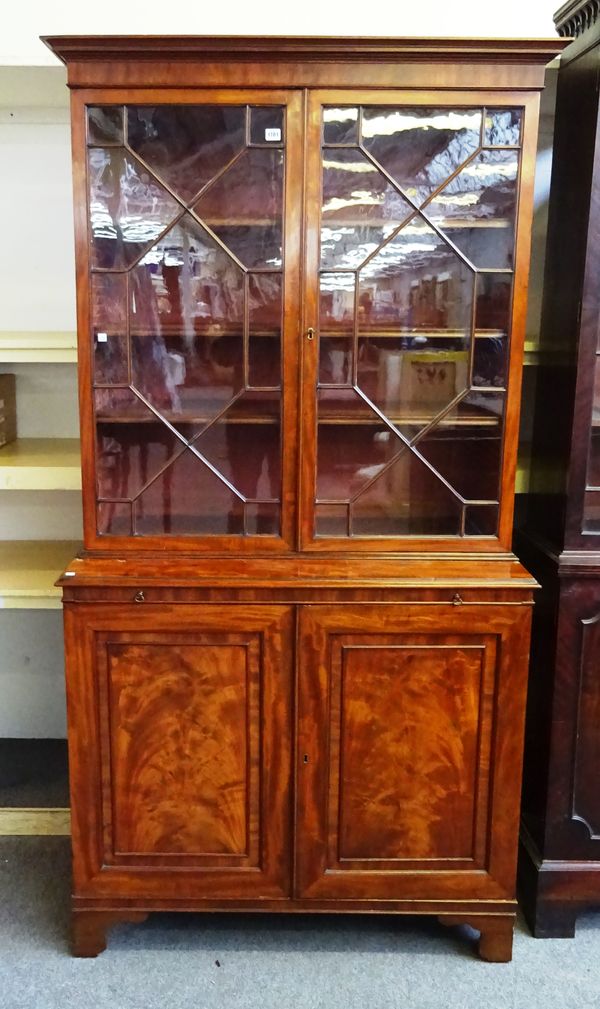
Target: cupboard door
181,749
411,260
410,726
192,315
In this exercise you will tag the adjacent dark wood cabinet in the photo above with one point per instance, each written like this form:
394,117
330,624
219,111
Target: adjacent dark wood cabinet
558,533
297,637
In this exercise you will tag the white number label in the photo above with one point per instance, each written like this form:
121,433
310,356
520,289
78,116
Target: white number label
272,134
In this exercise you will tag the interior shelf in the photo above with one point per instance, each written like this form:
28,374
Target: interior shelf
41,464
28,570
45,348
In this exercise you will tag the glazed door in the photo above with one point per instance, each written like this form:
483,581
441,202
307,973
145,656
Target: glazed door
411,381
409,745
191,255
180,749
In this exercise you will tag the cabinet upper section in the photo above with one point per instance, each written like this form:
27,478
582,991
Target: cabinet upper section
301,313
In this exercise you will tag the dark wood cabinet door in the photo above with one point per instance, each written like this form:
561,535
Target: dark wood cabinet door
410,735
182,726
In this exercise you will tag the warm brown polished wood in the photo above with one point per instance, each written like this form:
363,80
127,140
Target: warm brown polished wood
558,532
266,714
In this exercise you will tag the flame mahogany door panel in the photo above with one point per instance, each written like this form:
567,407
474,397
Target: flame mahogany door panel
190,751
403,711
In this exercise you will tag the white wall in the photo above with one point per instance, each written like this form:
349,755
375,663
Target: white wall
19,44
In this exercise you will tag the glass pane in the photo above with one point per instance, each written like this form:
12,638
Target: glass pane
128,208
132,445
410,385
262,519
360,208
466,457
490,361
246,454
353,445
266,125
336,304
481,520
591,511
416,283
186,145
494,295
502,127
340,126
476,210
105,124
187,499
109,327
331,520
407,500
421,147
244,207
114,519
265,315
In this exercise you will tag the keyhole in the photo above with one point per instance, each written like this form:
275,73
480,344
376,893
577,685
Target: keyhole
305,758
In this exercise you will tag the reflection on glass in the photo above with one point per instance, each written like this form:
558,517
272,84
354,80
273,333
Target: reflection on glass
187,281
246,455
128,208
412,381
266,125
340,126
477,209
489,361
331,520
188,499
408,500
109,327
264,321
114,519
244,207
481,520
416,282
502,127
262,519
591,502
493,293
467,457
186,145
360,208
105,124
420,147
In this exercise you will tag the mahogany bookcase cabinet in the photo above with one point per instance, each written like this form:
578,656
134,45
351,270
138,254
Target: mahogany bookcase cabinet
297,639
559,539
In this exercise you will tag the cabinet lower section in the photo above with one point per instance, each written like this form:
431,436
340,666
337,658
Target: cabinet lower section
296,756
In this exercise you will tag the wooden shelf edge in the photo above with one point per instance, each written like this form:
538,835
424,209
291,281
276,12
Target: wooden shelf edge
32,821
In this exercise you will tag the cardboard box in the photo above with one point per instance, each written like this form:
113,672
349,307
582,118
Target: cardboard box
8,409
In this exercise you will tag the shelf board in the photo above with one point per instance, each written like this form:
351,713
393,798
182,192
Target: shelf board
28,570
40,464
47,348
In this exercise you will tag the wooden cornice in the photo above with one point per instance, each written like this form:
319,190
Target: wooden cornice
182,48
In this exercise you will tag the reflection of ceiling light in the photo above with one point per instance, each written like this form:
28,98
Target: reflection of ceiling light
396,122
350,166
507,169
343,282
340,115
360,199
460,200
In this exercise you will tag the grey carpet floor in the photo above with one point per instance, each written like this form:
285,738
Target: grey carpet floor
267,961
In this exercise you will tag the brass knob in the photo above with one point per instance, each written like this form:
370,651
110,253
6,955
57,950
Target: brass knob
139,597
457,600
